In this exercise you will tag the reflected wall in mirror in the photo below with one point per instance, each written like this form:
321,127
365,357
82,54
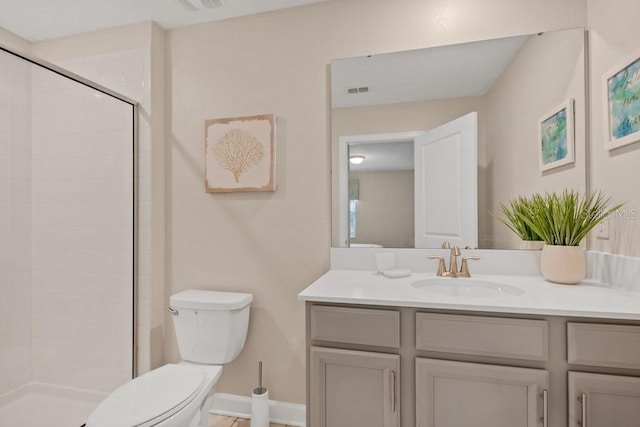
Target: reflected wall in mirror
511,83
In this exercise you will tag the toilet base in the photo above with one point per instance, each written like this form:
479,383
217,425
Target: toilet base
195,413
205,410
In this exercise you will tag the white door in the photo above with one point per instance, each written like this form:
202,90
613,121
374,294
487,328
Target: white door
446,199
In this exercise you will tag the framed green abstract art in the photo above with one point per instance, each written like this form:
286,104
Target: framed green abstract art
555,141
622,112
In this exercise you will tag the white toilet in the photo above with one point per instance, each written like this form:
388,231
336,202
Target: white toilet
211,328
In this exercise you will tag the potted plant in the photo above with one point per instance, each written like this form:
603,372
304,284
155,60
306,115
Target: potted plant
514,217
563,221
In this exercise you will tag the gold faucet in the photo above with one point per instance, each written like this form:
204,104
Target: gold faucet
453,263
464,269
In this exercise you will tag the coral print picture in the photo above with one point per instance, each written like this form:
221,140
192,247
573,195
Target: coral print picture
556,137
623,101
240,154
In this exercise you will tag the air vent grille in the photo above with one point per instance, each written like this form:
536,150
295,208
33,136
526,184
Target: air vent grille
362,89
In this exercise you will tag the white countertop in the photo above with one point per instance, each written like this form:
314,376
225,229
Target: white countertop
586,299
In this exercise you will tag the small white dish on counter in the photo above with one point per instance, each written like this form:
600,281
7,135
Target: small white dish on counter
397,273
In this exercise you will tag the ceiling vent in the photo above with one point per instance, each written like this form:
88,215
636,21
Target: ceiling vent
362,89
202,4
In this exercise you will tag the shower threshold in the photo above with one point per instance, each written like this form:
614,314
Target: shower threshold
37,405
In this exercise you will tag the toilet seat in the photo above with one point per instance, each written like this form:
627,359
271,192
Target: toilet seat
149,399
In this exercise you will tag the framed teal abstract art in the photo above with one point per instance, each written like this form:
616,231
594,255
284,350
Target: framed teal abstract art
622,112
555,137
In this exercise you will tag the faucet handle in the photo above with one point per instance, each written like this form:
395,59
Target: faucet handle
441,267
464,269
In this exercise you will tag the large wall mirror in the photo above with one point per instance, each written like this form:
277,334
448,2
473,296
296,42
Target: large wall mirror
382,104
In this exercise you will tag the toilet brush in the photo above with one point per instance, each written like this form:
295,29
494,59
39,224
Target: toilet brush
260,403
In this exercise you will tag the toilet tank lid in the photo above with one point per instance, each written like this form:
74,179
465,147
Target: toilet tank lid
210,300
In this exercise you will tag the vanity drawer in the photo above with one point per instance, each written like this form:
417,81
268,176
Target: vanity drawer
597,344
482,336
356,325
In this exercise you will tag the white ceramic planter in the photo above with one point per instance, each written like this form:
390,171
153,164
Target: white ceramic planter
563,264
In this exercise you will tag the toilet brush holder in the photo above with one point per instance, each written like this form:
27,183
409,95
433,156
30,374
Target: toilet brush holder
260,403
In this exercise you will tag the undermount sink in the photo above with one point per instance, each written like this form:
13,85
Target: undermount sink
467,287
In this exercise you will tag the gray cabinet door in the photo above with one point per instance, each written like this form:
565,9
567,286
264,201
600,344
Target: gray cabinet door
597,400
457,394
353,388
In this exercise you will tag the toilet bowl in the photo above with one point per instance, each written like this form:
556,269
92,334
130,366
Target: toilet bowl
211,329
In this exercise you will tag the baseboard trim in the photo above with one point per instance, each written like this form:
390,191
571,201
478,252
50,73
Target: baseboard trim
286,413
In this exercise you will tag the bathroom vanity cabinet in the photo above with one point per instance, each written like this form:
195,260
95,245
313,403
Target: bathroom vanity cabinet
354,387
372,365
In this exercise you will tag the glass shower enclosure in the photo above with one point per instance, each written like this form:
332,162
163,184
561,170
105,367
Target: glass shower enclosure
67,236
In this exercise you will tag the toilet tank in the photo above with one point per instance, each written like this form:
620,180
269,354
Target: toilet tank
211,327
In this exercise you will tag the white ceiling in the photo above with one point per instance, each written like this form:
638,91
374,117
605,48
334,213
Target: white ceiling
38,20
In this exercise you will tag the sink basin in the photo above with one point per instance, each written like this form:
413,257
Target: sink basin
466,287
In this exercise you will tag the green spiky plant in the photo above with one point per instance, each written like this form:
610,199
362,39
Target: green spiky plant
515,214
566,218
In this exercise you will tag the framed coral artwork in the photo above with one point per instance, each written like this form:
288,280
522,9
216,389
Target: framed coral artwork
555,137
240,154
622,109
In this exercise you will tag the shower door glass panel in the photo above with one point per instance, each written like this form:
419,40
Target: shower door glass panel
82,234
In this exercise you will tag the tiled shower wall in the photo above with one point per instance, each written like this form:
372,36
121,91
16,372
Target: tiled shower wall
15,224
82,230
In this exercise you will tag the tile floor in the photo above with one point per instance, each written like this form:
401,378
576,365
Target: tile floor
57,411
222,421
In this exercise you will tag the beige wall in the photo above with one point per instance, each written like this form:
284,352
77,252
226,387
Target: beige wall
384,212
614,37
548,70
275,244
